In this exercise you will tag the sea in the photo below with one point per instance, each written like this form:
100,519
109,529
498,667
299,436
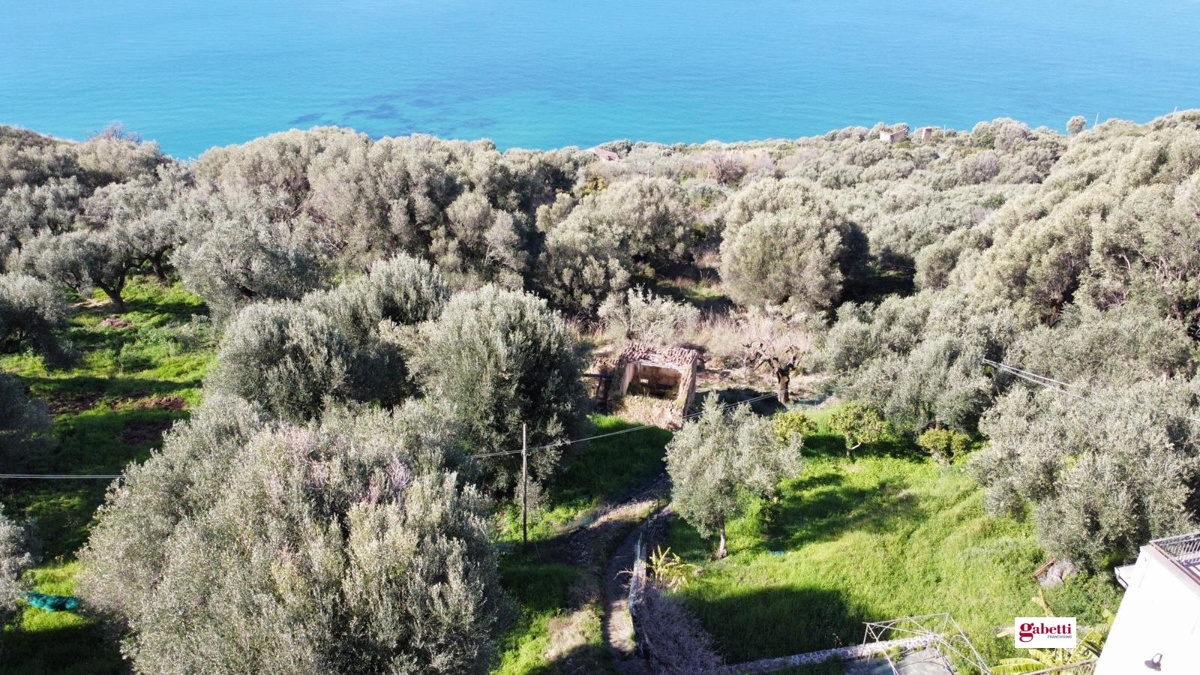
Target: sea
550,73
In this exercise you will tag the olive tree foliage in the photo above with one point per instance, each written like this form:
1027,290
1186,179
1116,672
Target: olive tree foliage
787,245
1103,469
919,359
1114,222
234,252
641,315
350,546
504,359
44,182
350,201
145,212
83,260
595,247
333,346
719,459
290,359
33,314
1122,345
29,210
14,560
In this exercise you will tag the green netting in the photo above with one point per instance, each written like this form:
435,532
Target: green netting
53,603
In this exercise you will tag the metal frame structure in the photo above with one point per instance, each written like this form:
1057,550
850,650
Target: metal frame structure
939,631
1183,551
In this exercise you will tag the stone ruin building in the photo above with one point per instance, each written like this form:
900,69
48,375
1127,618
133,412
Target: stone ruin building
664,373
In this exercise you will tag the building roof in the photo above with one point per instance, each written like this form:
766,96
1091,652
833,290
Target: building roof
606,155
679,357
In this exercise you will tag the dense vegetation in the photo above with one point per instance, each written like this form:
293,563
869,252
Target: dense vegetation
387,315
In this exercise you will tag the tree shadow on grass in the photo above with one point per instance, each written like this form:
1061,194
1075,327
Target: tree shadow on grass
71,648
834,446
180,312
822,507
778,621
64,394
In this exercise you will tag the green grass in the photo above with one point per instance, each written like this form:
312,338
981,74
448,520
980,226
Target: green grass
888,536
543,593
110,409
57,642
594,473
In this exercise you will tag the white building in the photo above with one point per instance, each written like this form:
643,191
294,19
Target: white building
1157,629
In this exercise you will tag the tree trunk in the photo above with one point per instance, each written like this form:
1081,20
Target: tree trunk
114,295
850,451
721,552
156,262
783,380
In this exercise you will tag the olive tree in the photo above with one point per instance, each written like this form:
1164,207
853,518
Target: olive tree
718,459
234,253
83,260
146,213
786,244
14,560
345,344
290,359
1103,469
342,547
504,360
32,314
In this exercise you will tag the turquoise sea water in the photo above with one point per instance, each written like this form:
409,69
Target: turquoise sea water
548,73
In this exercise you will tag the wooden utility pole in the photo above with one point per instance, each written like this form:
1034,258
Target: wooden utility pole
524,488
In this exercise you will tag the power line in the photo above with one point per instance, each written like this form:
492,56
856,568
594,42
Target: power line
63,476
617,433
1068,389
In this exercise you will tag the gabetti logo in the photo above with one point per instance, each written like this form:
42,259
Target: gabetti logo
1056,632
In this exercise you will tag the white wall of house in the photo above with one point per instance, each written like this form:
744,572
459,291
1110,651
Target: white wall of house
1160,614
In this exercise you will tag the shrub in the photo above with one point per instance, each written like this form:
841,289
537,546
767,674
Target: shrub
859,424
291,360
793,426
718,459
504,359
345,547
944,444
643,316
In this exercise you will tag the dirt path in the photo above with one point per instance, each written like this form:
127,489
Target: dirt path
618,626
591,549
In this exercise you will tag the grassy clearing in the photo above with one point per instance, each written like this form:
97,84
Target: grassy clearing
130,384
596,473
890,535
